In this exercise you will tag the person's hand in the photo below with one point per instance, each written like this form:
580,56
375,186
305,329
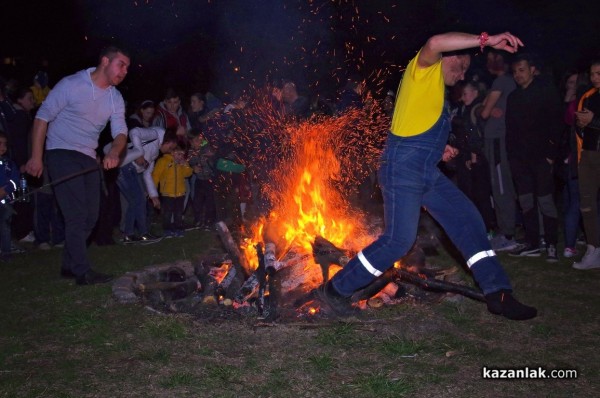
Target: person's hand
449,153
550,161
142,162
155,202
34,167
110,161
504,41
584,117
2,192
468,164
497,112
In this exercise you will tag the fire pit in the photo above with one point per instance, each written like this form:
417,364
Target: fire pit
310,233
216,287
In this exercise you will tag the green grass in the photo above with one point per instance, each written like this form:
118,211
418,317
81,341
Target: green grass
380,385
178,379
61,340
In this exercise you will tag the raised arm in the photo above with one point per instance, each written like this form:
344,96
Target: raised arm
453,41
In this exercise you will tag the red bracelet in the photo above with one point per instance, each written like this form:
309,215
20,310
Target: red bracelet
483,38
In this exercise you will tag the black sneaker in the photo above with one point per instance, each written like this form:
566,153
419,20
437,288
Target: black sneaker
503,303
526,251
192,227
148,239
92,278
130,239
551,254
339,304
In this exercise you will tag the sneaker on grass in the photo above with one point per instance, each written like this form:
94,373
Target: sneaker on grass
526,251
590,260
148,239
130,239
551,254
29,238
501,243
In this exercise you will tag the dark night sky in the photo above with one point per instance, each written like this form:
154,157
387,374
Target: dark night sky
198,44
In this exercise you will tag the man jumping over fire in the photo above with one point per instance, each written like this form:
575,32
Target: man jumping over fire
409,178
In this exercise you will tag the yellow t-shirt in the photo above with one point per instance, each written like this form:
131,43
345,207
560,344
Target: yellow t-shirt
420,99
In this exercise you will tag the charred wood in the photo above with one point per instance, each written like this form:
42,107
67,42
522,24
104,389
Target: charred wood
239,262
261,275
435,284
326,253
375,287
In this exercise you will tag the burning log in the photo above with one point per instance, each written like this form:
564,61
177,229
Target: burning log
210,270
250,287
297,274
326,253
375,286
386,295
271,263
239,263
208,282
261,276
292,271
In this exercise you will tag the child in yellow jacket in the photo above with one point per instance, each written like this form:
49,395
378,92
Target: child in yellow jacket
169,176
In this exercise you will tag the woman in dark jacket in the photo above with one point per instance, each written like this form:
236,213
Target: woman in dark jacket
472,170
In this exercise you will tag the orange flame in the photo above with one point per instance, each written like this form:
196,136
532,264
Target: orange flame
306,193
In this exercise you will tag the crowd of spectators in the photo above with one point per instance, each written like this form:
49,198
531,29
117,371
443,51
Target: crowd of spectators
525,144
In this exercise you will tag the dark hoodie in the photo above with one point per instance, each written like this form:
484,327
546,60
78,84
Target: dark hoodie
533,122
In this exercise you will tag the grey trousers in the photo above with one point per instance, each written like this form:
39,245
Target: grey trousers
503,190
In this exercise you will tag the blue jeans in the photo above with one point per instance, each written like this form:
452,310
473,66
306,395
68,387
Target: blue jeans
79,201
135,215
409,178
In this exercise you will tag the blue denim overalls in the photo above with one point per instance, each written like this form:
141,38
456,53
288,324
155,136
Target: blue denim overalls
410,178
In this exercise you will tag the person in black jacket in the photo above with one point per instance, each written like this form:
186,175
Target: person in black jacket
472,170
533,127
